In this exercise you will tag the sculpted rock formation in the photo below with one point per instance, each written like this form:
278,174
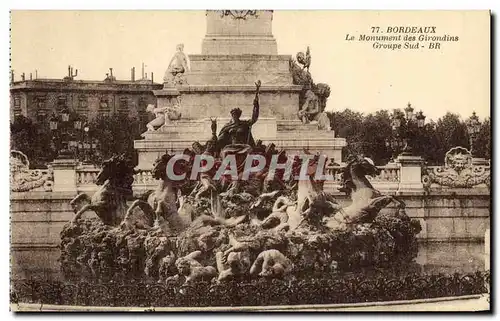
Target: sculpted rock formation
174,234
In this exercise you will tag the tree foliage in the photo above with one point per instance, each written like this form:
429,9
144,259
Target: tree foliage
451,131
111,134
114,134
369,134
32,139
482,145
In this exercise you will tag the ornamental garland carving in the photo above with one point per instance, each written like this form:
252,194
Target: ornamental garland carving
238,14
22,179
458,171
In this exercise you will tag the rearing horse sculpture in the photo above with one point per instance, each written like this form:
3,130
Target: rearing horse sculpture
162,202
367,202
109,202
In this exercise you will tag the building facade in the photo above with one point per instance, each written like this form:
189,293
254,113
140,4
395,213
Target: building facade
39,99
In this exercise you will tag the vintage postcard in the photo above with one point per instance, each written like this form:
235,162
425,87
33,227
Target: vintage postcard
250,160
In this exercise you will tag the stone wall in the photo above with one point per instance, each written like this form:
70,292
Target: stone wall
456,215
38,217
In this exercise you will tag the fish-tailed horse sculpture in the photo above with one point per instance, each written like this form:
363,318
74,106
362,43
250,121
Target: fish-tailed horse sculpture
162,202
367,202
109,202
310,190
318,207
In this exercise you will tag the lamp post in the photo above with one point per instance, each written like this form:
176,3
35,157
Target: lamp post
65,115
420,119
473,128
86,130
53,123
406,127
65,151
409,111
77,125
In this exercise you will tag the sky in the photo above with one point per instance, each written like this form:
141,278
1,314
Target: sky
455,78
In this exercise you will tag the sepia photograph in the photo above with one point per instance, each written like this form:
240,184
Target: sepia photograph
250,160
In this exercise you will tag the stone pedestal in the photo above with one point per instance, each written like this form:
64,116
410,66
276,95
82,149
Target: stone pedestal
166,97
293,136
238,32
280,102
238,49
231,70
64,175
410,173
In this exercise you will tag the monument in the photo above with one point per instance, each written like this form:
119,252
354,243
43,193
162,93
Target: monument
239,49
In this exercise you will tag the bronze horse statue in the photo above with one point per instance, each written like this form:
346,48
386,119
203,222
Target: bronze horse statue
367,202
162,202
109,202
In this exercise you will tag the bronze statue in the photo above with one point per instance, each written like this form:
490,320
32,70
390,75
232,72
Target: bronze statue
304,60
236,135
313,97
109,202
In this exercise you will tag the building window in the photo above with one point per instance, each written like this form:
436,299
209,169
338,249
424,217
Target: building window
40,102
17,106
104,106
104,103
61,102
124,103
143,102
123,108
141,110
41,115
83,102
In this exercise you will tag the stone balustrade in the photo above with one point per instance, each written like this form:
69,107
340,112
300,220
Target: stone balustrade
445,212
388,180
86,177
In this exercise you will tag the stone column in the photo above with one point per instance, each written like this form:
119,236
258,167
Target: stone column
410,175
239,32
64,175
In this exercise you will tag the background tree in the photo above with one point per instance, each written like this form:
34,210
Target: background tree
451,131
482,145
427,144
347,124
34,140
375,130
114,134
368,135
